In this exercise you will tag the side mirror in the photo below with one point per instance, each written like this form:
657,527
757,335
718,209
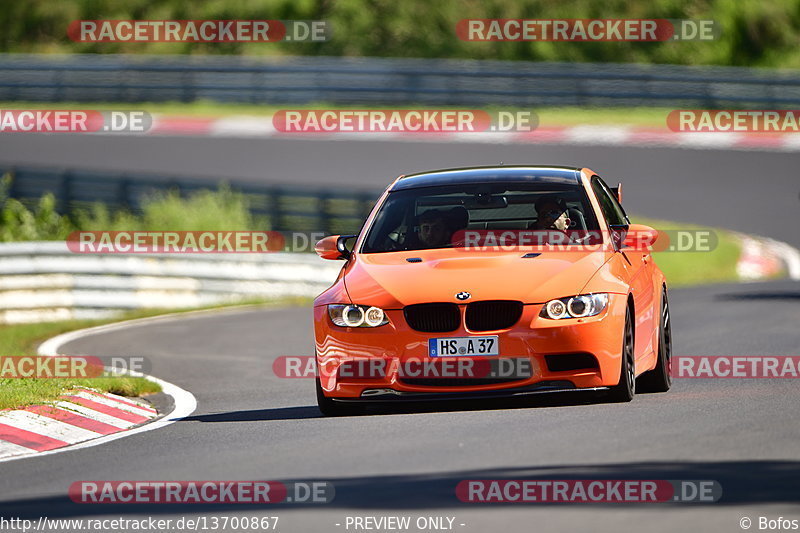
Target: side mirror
333,247
640,237
617,191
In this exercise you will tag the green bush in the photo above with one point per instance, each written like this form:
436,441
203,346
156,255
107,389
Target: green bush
19,223
206,210
220,210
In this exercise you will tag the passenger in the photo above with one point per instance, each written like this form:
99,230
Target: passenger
552,214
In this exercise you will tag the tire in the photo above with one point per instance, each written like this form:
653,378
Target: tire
660,378
330,407
625,390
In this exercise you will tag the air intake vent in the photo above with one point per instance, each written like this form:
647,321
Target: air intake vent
571,361
493,314
433,318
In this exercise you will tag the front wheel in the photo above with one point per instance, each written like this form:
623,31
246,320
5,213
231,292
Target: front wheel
626,388
660,378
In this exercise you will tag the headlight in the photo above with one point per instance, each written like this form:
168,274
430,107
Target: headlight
357,316
575,307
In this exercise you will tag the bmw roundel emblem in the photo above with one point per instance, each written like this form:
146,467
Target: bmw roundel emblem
463,295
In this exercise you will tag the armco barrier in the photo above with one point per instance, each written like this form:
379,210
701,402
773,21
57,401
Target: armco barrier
386,81
42,281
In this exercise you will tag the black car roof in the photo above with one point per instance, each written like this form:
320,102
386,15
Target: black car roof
505,173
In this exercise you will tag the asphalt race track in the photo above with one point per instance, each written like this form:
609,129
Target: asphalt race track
251,424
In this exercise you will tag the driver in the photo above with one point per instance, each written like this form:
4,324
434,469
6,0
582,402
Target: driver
433,229
436,227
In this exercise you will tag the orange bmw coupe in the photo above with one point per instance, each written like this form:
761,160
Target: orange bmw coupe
492,282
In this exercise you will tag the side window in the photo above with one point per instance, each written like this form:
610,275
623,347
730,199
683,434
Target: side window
612,211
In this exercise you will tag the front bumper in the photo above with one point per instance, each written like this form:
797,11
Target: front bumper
531,341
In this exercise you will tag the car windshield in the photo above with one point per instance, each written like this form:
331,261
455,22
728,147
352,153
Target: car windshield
440,217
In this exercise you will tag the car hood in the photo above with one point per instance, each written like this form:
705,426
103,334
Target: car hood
389,281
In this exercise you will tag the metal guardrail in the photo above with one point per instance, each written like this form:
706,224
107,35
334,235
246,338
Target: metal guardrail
285,207
381,81
42,281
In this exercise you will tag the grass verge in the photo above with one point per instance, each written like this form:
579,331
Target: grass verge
23,339
684,269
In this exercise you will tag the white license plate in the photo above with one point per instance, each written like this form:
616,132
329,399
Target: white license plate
463,346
